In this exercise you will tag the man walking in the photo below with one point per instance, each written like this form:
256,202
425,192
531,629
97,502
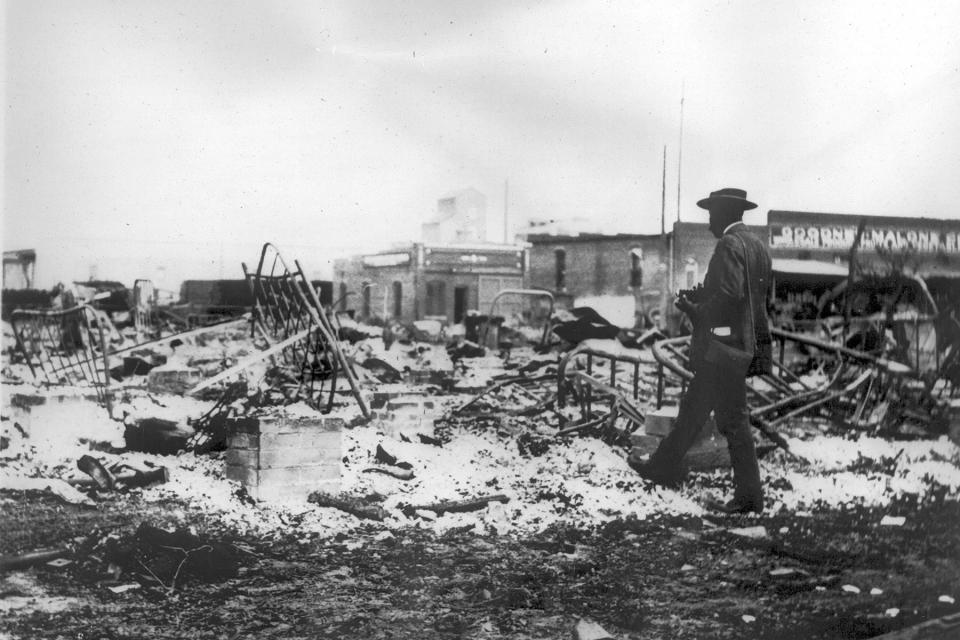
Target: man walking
730,341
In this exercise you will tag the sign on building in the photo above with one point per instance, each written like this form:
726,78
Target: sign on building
833,237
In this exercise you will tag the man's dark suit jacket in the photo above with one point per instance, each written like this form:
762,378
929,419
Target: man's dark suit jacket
723,302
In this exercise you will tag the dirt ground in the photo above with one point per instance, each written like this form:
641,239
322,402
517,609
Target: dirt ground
666,577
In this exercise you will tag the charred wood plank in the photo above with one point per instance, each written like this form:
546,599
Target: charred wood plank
352,506
462,506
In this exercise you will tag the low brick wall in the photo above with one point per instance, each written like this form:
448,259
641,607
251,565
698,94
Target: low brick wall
281,458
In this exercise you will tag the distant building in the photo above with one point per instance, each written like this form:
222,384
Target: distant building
461,218
559,226
593,265
19,268
426,281
810,253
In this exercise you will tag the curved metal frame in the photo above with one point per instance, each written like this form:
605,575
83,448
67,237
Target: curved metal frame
541,293
54,343
783,401
286,305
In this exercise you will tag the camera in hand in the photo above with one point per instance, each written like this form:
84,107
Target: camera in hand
691,295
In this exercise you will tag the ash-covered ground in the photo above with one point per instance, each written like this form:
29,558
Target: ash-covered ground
859,535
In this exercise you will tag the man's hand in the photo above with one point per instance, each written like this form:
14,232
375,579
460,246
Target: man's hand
686,306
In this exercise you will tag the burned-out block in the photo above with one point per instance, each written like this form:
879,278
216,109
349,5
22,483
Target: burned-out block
281,458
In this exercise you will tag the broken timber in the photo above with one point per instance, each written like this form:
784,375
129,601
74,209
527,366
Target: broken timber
460,506
354,507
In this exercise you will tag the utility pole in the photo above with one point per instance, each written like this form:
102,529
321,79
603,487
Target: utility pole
666,282
663,197
680,150
506,209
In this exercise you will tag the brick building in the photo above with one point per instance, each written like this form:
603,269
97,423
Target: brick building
810,253
423,281
626,266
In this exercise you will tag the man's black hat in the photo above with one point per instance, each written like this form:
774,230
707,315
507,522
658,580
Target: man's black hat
727,196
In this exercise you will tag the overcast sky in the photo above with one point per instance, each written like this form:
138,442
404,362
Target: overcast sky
153,134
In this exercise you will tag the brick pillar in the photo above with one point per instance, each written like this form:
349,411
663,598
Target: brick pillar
281,458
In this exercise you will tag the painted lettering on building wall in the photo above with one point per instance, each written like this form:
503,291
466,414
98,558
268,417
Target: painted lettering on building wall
386,260
837,237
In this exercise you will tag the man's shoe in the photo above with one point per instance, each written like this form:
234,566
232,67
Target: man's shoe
735,506
656,475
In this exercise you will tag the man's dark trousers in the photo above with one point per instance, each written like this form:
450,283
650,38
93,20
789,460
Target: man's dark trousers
713,389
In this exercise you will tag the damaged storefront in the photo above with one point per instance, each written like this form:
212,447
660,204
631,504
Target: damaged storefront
925,247
623,276
428,282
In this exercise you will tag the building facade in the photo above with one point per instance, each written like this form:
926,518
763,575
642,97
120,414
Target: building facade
19,268
630,267
810,253
423,281
926,247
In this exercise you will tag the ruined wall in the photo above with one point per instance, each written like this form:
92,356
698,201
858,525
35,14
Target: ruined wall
596,265
353,273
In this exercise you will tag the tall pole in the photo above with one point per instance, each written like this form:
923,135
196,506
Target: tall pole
663,197
680,150
506,209
666,286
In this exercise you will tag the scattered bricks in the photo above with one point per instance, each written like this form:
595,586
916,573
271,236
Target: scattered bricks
281,458
173,379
